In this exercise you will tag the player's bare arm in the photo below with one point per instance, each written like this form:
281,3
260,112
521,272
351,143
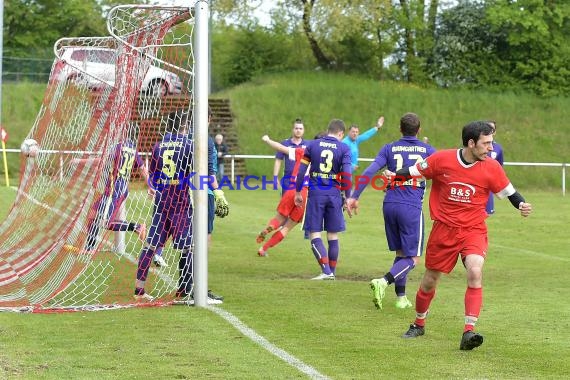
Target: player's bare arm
277,169
275,145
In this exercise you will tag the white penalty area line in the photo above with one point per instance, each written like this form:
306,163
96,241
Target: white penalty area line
255,337
533,253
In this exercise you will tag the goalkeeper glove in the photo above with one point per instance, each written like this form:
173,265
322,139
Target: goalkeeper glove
222,206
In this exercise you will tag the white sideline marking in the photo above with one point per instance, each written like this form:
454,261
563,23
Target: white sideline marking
255,337
247,331
533,253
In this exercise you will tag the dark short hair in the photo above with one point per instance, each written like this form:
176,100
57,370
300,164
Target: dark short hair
320,135
335,126
353,126
410,124
475,129
298,121
177,119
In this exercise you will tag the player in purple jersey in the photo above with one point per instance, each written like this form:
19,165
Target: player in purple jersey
288,213
170,165
170,168
104,211
296,141
402,208
496,154
330,166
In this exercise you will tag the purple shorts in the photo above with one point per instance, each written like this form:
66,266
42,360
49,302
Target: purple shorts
490,208
100,207
404,226
177,223
324,212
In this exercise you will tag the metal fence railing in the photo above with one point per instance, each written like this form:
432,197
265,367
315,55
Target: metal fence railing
234,157
16,69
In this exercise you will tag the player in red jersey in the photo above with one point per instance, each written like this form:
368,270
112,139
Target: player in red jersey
288,214
462,181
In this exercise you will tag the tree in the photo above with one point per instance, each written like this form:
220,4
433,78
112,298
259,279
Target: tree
32,26
237,12
353,35
359,34
320,56
484,43
416,29
536,52
346,34
466,45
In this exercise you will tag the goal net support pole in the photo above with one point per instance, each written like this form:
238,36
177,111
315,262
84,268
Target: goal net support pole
200,98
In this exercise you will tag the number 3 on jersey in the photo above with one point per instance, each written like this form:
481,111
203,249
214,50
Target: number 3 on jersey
326,166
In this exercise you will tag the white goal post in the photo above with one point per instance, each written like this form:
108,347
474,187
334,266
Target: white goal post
108,98
201,89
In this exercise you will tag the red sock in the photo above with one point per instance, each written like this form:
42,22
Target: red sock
423,301
473,302
275,239
274,223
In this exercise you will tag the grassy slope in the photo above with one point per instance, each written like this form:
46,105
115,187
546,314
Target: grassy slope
530,128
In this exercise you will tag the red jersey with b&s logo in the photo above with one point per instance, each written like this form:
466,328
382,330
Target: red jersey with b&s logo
460,191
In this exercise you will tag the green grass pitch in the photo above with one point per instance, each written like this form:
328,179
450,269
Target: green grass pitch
331,326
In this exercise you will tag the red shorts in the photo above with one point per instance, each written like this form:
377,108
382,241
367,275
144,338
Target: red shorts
446,243
287,206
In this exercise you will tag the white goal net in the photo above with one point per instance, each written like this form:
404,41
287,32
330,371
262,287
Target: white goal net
107,104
